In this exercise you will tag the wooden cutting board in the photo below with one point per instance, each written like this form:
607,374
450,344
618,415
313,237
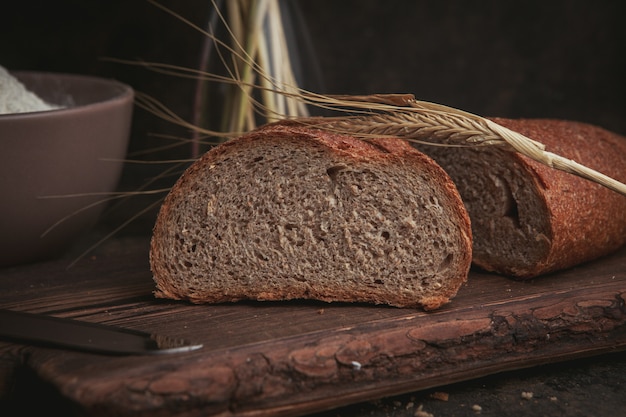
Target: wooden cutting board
293,358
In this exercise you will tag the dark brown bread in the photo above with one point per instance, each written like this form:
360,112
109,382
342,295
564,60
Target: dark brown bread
529,219
287,212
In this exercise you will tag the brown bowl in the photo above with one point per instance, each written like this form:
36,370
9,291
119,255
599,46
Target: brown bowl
56,167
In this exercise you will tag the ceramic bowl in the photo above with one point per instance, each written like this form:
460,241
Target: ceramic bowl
57,166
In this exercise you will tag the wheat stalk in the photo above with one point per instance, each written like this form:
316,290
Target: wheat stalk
397,115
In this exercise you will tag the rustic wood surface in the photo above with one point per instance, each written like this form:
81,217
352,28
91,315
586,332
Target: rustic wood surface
298,357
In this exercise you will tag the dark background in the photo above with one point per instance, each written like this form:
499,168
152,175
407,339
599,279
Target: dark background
552,59
560,59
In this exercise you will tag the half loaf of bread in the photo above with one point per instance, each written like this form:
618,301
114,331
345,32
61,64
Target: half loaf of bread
288,212
529,219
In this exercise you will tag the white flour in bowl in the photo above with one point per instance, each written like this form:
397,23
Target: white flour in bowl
16,98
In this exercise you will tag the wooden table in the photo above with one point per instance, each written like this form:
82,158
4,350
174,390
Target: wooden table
299,357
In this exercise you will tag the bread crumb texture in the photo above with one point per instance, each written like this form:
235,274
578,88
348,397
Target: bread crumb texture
285,213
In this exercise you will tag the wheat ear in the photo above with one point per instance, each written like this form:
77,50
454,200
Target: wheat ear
404,116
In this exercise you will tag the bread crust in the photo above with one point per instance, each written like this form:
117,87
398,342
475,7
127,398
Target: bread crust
586,220
386,151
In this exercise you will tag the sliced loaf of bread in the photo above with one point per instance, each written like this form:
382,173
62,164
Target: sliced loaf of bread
529,219
288,212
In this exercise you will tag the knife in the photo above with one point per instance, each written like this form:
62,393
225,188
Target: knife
92,337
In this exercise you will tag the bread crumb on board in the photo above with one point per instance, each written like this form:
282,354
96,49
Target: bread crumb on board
527,395
421,413
441,396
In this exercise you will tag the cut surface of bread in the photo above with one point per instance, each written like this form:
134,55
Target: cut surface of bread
529,219
287,212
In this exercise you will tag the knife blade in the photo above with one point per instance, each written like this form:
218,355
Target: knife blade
92,337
